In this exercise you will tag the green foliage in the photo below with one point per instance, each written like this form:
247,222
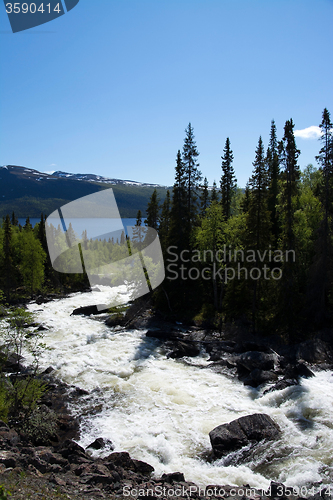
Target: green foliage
5,402
285,215
4,493
20,392
41,426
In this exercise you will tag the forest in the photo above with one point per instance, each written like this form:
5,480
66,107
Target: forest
261,255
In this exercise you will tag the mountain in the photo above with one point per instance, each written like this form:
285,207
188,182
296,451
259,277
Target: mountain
29,192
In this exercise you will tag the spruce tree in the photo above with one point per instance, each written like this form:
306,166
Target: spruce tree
289,155
179,226
164,226
320,279
153,208
192,174
228,179
204,197
14,220
27,226
214,194
273,162
258,220
289,298
7,266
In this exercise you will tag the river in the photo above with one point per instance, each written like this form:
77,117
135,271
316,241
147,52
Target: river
161,410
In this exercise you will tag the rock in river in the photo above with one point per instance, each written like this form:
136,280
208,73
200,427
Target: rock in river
241,432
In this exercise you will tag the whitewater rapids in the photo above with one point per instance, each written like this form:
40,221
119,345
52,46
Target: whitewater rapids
161,410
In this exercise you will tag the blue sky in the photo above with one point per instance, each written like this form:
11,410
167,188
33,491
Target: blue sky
110,87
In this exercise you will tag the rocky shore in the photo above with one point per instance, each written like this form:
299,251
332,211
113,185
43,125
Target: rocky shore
55,466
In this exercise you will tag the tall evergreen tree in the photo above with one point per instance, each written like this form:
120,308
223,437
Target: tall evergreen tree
192,174
7,266
214,194
273,162
321,271
258,218
14,220
289,155
153,209
179,220
27,226
164,226
204,197
290,177
228,179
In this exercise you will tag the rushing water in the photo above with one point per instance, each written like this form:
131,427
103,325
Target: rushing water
161,410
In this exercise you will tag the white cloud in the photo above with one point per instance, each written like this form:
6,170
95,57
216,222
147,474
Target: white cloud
312,132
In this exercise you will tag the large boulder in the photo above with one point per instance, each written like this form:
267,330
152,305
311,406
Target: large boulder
184,349
252,360
257,377
241,432
88,310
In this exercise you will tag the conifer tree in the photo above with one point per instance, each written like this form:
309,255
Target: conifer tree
320,279
192,174
179,227
204,197
138,232
246,200
273,162
228,179
153,208
7,266
290,177
258,219
14,220
214,194
27,226
164,226
289,155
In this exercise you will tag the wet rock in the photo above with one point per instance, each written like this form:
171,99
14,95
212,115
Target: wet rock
42,328
255,359
282,384
184,349
101,443
13,363
69,448
121,459
88,310
143,468
8,458
115,320
165,334
9,435
241,432
48,370
173,477
257,377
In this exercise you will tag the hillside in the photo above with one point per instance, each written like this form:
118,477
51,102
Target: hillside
29,192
